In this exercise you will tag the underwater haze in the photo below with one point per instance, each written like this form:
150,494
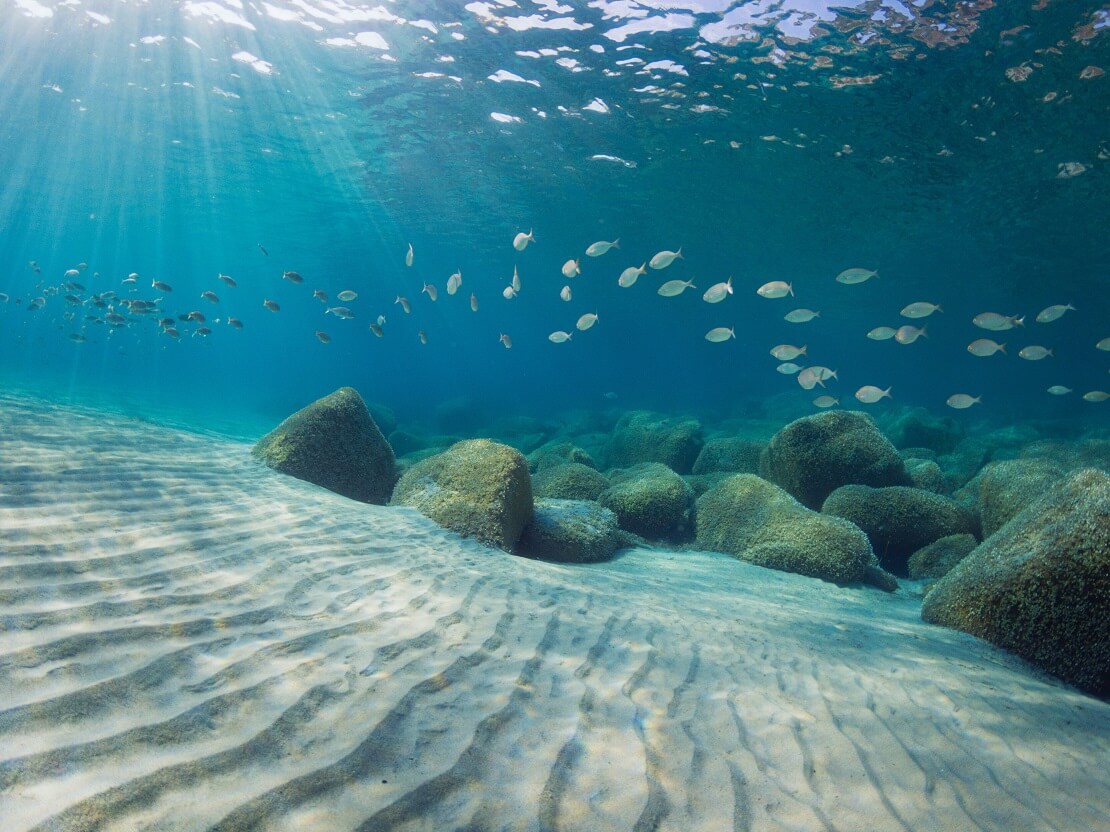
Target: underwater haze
958,149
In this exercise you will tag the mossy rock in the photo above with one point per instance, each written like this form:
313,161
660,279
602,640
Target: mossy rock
650,500
918,427
571,531
641,436
333,443
730,454
1040,586
926,475
1008,486
898,520
938,558
477,488
756,521
570,481
554,454
813,456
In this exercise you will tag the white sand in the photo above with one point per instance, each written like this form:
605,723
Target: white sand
188,640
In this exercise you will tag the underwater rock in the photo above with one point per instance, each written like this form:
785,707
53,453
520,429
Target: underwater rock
938,558
730,454
756,521
571,481
477,488
650,500
333,443
898,520
1040,586
571,531
926,475
557,453
642,436
384,418
703,482
1008,486
813,456
917,427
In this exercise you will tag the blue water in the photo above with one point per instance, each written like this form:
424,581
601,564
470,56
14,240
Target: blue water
141,144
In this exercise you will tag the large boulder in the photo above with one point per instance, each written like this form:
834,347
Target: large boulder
477,488
571,531
650,500
1040,586
938,558
1008,486
553,454
756,521
898,520
641,436
813,456
729,453
918,427
926,474
571,481
333,443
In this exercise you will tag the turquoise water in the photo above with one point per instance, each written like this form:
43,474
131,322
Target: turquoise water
768,141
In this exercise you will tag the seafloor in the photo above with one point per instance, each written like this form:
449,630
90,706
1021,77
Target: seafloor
190,640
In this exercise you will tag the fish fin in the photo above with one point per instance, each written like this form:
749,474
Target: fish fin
1002,349
616,243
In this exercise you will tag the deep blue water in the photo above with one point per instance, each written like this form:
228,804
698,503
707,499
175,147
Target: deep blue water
142,145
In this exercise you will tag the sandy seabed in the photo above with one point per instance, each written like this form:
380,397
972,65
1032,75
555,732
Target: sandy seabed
191,641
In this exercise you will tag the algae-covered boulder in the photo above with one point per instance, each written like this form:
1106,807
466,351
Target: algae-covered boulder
650,500
571,531
926,474
641,436
1008,486
813,456
729,453
898,520
938,558
570,481
477,488
553,454
918,427
756,521
1040,586
335,444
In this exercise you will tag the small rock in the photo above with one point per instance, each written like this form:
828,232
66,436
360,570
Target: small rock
571,531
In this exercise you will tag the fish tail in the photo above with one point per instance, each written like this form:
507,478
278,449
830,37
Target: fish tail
1002,349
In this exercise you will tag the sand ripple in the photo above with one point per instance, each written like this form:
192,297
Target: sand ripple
190,641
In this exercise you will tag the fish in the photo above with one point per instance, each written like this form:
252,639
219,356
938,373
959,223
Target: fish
409,256
787,352
908,334
997,323
381,320
664,258
262,248
718,292
423,336
1059,390
473,302
234,323
629,276
320,295
983,347
1034,353
775,289
810,377
430,291
202,331
800,316
521,240
720,334
323,337
172,332
454,282
75,287
587,321
347,295
228,279
293,277
1053,313
920,309
4,297
505,340
377,330
601,247
788,368
850,277
341,312
77,338
271,305
73,300
1096,396
962,401
82,265
825,401
869,394
564,293
559,337
1103,345
673,288
211,297
406,307
570,269
882,333
196,317
131,278
508,293
515,283
71,273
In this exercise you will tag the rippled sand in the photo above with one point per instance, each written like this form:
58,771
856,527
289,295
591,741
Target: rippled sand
191,641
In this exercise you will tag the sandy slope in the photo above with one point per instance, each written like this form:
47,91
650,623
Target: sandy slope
190,641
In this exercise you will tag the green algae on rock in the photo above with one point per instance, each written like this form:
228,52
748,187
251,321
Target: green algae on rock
477,488
938,558
334,443
571,531
729,453
570,481
641,436
1008,486
650,500
1040,586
